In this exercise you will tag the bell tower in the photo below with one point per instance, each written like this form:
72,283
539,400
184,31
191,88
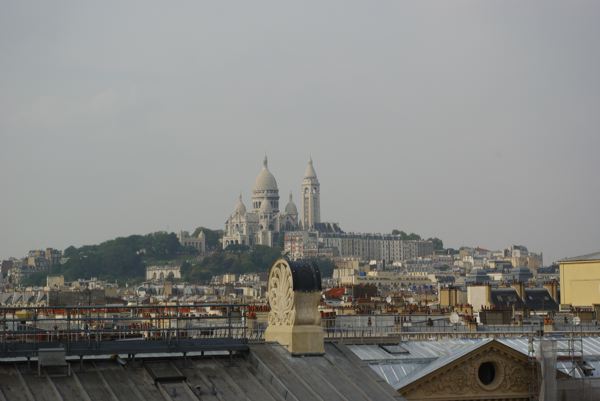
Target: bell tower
311,204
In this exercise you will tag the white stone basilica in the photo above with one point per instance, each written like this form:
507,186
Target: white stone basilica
265,223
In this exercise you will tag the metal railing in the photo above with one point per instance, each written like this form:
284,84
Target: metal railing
84,330
435,326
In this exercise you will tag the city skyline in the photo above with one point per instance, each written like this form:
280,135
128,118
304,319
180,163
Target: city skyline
477,125
547,262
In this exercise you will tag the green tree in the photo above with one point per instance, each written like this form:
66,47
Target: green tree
34,279
404,236
438,244
237,248
120,258
69,252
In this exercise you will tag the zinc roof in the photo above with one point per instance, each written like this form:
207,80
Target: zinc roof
589,256
425,357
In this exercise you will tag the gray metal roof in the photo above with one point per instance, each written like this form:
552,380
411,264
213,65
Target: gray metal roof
417,350
589,256
590,346
268,373
424,357
539,299
506,298
442,361
395,374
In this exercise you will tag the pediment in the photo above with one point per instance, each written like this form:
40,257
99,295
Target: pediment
490,371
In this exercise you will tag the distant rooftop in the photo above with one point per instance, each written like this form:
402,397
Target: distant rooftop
328,227
589,256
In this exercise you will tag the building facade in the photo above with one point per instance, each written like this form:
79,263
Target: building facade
386,248
198,243
580,280
161,273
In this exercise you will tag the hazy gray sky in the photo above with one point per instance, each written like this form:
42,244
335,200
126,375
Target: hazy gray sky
478,122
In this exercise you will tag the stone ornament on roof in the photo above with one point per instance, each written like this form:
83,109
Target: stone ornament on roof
281,295
294,292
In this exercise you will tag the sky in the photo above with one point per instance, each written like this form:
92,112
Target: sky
474,121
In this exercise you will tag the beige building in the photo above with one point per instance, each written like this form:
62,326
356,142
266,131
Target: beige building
305,244
346,269
479,296
41,259
298,243
161,273
54,282
452,296
580,280
387,247
389,279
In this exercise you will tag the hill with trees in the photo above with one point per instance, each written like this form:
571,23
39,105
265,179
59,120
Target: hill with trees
124,259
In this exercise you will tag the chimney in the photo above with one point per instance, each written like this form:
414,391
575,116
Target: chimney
552,287
168,288
520,288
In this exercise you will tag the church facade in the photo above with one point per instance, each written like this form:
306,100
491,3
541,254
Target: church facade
264,222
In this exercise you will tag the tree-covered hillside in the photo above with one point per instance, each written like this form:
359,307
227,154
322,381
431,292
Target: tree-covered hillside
122,258
233,260
125,259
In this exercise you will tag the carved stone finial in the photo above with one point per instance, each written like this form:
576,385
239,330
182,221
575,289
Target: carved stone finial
294,292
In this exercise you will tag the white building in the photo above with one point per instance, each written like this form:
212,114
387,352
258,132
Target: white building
385,247
161,273
264,222
198,243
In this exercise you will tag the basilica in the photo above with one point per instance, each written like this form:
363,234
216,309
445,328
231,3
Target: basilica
265,223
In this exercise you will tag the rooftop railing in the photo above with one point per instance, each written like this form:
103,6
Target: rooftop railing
90,330
115,329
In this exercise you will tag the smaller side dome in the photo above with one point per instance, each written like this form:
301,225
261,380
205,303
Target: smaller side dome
291,208
240,208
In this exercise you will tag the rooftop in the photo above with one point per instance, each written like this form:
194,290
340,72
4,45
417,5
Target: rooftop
589,256
424,357
266,373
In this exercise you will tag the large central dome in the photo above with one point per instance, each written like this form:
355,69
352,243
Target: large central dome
265,181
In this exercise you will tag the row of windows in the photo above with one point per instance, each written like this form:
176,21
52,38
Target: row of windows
257,204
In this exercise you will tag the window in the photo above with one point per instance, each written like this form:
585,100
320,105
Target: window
487,373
